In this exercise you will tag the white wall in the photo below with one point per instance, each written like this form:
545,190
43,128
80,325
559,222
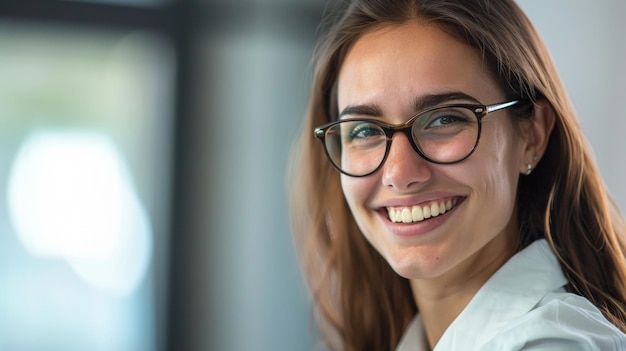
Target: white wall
253,87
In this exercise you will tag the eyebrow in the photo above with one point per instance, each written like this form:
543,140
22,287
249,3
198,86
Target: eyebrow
419,103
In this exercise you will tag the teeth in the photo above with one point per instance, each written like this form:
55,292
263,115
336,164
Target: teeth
406,216
434,210
419,213
427,213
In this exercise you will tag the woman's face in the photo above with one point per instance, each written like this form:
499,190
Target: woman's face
388,72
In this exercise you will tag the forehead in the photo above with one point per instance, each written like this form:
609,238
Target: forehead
409,60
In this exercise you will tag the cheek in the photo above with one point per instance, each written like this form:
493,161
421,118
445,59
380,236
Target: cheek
497,169
357,192
353,190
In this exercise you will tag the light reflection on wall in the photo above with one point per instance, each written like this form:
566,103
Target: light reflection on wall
70,197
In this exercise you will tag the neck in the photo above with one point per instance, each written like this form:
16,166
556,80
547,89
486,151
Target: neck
442,299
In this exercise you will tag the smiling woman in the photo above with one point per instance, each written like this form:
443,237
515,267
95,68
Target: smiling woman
453,233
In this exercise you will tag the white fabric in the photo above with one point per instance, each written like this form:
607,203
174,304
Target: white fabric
524,306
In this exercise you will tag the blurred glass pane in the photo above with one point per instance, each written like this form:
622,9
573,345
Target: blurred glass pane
84,145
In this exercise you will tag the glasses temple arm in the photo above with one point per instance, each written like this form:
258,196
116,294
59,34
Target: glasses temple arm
501,106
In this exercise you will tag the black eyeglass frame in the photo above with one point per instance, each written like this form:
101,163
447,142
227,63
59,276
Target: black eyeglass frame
480,111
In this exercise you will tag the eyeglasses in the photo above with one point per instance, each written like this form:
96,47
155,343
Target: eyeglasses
446,134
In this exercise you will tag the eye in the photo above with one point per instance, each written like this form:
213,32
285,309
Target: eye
444,119
363,131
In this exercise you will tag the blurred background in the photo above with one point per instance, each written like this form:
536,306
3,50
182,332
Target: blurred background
143,146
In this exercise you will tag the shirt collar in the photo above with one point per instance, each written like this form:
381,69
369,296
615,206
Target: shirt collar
512,291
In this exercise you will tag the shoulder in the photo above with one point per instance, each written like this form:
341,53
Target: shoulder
561,321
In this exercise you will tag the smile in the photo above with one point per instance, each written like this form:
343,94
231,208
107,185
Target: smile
420,213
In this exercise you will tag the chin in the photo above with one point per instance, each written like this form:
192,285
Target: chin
415,266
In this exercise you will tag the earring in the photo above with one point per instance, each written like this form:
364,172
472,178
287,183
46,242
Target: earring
529,169
529,166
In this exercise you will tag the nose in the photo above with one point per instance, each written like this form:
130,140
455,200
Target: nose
404,168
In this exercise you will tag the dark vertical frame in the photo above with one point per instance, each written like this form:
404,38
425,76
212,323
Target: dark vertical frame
179,309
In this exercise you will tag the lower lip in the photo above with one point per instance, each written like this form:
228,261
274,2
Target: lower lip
418,229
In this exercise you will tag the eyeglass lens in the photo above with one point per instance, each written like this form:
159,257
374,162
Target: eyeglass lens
444,135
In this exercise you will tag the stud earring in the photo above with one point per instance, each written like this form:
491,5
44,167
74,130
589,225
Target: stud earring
529,166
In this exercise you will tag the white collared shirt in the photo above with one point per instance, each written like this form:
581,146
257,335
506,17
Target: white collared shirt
524,306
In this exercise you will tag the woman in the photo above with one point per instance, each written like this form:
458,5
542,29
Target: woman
453,203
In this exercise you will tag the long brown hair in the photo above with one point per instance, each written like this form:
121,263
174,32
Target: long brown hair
360,302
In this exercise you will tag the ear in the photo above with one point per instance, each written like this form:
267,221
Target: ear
536,132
